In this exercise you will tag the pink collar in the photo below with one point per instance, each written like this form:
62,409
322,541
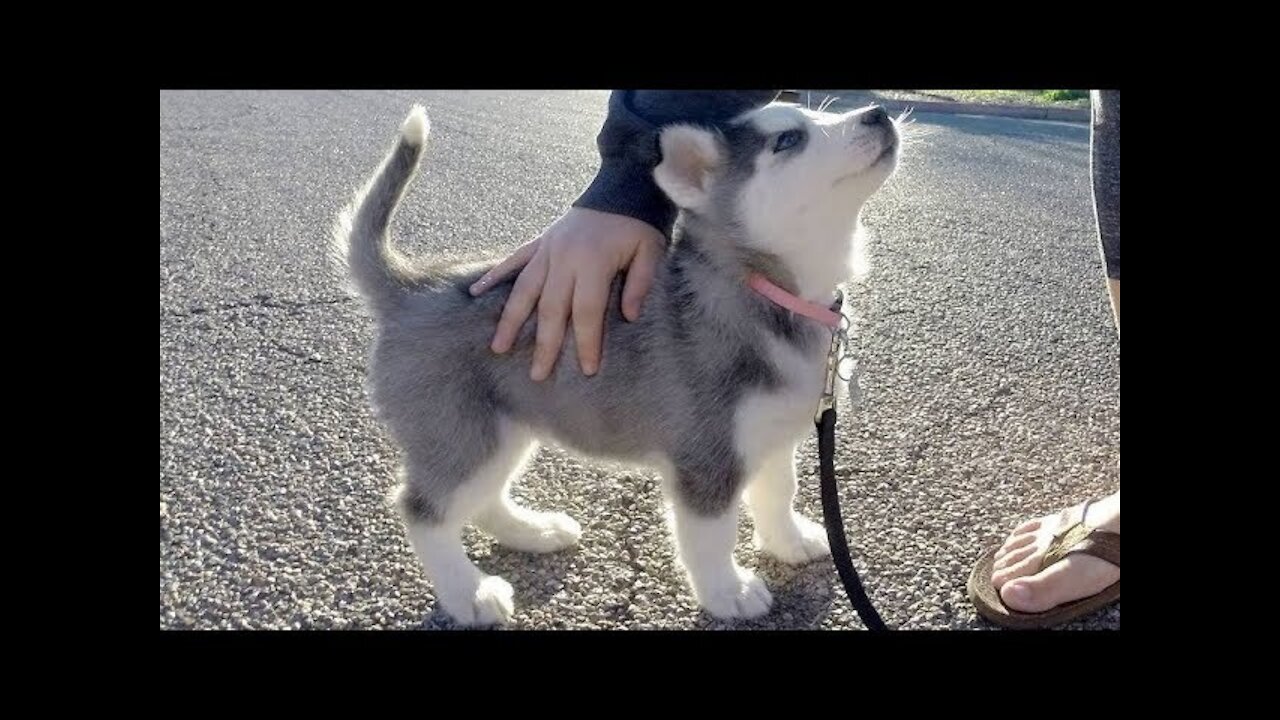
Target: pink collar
761,284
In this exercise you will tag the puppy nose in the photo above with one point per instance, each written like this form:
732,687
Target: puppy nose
875,116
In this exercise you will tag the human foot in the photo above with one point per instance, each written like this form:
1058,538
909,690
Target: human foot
1029,584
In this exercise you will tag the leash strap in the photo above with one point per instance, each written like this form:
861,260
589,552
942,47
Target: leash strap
835,525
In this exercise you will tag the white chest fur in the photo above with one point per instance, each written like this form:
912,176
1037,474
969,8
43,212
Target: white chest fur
771,421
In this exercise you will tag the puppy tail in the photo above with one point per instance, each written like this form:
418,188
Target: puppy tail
361,244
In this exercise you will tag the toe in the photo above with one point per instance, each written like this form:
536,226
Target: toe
1026,566
1014,557
1073,578
1015,542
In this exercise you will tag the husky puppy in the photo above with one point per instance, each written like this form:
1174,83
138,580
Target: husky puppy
713,387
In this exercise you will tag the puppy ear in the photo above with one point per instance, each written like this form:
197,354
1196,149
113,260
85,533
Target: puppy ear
690,157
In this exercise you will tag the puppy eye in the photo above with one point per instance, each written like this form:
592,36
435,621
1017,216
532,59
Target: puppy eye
787,140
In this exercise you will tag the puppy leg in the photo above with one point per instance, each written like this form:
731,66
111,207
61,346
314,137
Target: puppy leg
462,589
780,530
706,529
520,528
436,511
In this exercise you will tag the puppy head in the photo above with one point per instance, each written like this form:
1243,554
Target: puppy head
781,179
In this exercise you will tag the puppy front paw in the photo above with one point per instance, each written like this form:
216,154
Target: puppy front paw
489,604
800,541
745,597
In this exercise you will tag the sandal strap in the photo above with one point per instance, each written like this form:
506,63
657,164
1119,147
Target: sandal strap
1081,538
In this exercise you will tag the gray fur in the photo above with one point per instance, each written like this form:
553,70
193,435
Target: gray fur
667,385
379,273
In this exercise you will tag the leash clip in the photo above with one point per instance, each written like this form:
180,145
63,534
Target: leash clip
835,356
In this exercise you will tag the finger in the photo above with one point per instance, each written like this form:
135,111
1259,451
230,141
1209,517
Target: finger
644,266
519,305
506,268
590,296
553,313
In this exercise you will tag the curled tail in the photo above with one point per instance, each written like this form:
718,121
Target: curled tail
361,242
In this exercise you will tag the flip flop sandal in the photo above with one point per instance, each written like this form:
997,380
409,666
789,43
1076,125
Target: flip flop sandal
1077,537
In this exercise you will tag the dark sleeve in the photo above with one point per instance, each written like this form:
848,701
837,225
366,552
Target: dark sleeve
1105,147
629,148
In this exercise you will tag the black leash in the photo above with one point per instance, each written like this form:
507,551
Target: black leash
835,525
825,420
